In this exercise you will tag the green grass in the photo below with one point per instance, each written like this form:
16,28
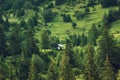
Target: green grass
60,28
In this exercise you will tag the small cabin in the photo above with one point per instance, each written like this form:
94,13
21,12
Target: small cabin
60,47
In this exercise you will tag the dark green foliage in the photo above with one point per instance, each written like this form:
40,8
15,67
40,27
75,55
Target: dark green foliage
66,68
24,69
74,25
92,35
20,12
45,39
50,5
6,24
54,42
66,18
58,2
15,41
32,22
69,52
28,5
2,40
113,15
52,71
75,39
38,2
30,44
23,24
108,45
48,15
2,73
91,72
83,40
16,5
1,19
87,10
35,67
108,3
79,15
108,70
91,2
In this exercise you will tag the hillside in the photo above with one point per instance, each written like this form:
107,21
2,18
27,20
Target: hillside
59,39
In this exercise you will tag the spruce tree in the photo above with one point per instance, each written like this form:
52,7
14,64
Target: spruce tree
33,71
52,71
30,44
91,72
83,40
45,39
69,52
108,73
66,69
107,45
92,35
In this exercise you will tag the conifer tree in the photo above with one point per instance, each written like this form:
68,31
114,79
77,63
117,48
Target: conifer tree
83,40
36,67
69,52
108,73
45,39
30,45
33,71
52,71
91,67
107,45
92,35
66,69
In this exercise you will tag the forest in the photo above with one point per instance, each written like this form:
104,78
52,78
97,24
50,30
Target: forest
59,39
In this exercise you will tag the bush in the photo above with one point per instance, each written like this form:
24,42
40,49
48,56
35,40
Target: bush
48,15
74,25
79,15
66,18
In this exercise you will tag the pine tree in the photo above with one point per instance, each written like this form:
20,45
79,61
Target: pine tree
91,72
45,39
83,40
92,35
33,71
36,67
30,45
66,69
52,71
69,52
2,41
108,73
107,45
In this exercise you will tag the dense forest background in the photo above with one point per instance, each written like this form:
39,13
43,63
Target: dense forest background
59,39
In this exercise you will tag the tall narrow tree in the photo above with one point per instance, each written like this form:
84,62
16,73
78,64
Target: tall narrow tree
30,45
108,73
107,45
66,69
91,67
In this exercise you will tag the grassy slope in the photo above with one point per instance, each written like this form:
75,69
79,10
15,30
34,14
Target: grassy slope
60,28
